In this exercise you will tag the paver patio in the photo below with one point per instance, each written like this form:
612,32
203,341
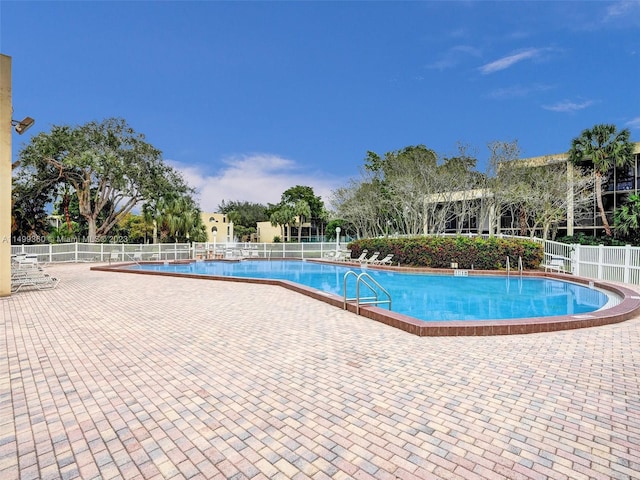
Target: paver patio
126,376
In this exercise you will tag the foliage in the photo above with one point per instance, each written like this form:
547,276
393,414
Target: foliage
582,239
135,228
283,216
108,166
64,234
29,222
245,214
602,147
297,205
178,220
535,197
346,229
411,191
293,195
303,211
468,252
627,220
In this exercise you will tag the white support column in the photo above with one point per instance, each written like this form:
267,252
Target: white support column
570,199
5,175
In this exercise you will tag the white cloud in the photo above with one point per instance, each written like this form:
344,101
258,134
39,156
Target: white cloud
633,123
257,178
454,56
623,8
505,62
567,106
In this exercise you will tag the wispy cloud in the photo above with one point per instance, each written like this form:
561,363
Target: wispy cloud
567,106
510,60
517,91
633,123
257,178
622,9
454,56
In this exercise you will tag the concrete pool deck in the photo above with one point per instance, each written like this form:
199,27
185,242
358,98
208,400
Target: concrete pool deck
113,375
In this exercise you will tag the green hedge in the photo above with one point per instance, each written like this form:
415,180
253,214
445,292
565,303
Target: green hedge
439,252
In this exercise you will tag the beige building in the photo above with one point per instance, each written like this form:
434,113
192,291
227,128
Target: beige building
265,232
219,228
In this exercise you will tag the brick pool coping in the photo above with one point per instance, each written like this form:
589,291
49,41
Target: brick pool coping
627,308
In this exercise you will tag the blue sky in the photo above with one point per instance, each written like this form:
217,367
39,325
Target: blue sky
248,99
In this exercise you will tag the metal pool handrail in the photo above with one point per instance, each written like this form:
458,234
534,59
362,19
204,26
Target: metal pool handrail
362,278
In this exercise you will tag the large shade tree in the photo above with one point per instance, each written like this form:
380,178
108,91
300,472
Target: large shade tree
245,215
109,167
603,147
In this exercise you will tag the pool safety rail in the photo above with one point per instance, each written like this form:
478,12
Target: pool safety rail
374,287
520,267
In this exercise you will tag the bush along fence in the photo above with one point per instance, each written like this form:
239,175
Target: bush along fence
460,252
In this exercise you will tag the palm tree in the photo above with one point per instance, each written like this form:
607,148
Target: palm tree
283,216
627,217
605,148
303,212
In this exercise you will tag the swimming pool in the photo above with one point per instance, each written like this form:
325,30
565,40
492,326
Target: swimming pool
426,297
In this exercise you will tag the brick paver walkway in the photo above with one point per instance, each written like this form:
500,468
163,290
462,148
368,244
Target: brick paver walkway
126,376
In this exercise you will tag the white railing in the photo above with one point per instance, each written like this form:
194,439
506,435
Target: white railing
104,252
618,264
303,250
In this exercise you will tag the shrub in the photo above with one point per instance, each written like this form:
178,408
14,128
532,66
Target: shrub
582,239
469,253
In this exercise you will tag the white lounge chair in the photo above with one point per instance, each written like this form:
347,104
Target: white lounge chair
30,274
23,261
136,257
362,256
555,263
38,280
384,261
372,258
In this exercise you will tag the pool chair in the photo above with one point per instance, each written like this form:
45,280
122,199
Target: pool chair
362,256
384,261
555,263
38,280
23,261
372,258
135,257
343,256
30,276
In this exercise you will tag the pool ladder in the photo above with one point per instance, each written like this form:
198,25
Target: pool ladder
520,267
364,279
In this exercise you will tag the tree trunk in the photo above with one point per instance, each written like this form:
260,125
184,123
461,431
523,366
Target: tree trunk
603,215
65,209
92,229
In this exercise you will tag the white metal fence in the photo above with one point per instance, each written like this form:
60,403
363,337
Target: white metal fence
104,252
618,264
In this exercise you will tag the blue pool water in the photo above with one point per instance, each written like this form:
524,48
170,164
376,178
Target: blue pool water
423,296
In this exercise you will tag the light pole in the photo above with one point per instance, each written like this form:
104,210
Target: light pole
337,239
